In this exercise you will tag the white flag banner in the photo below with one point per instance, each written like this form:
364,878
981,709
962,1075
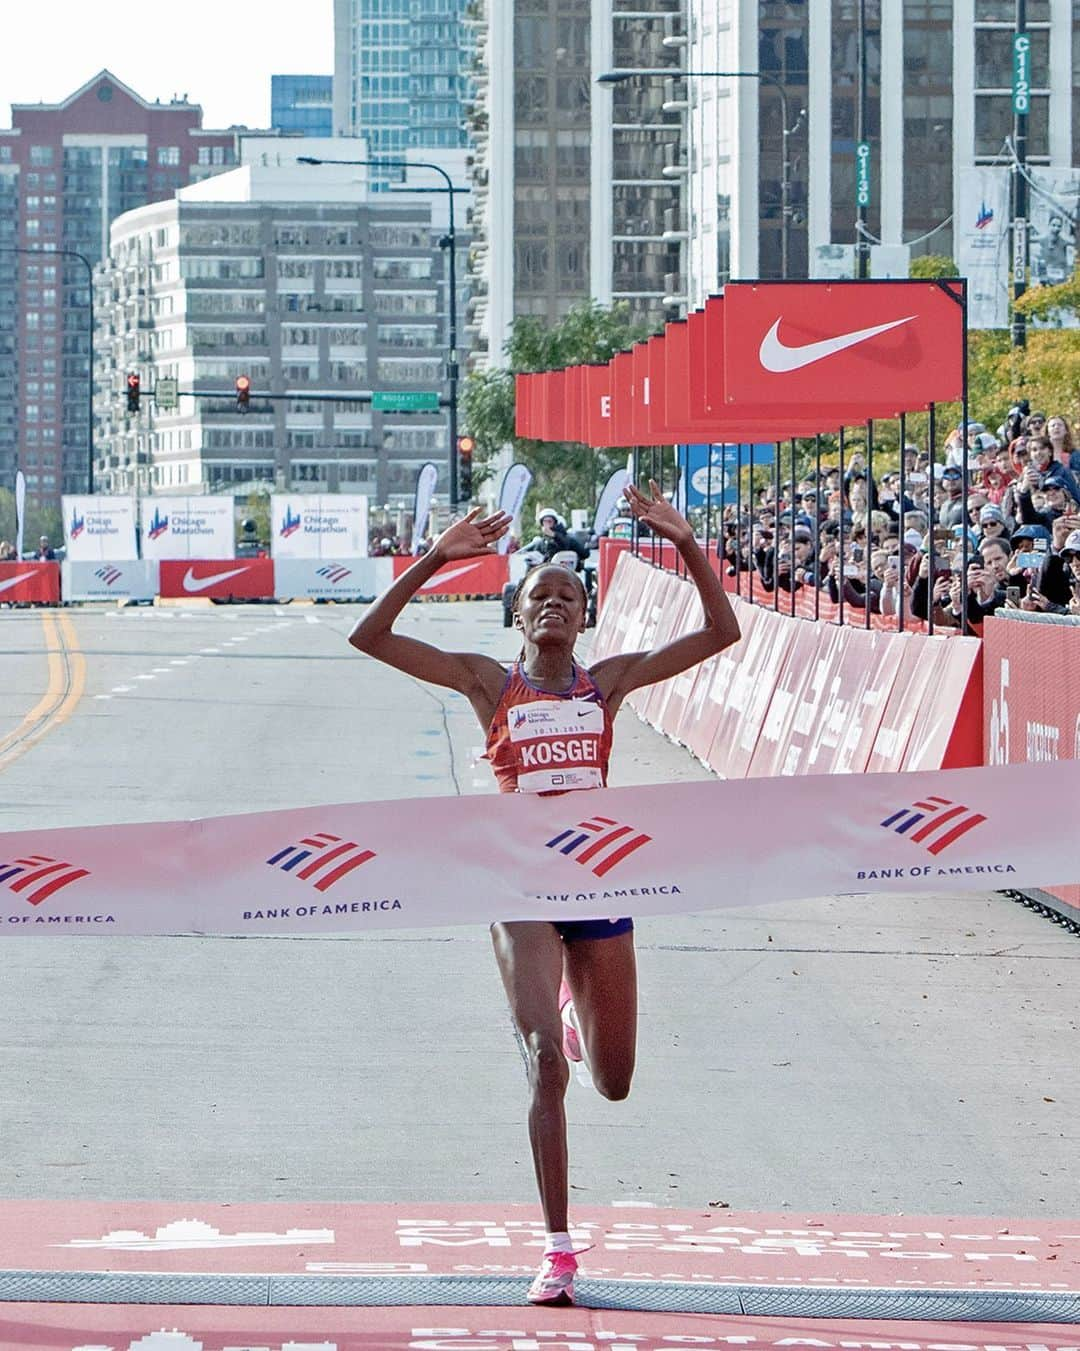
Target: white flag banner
515,484
662,849
99,529
426,480
319,525
188,527
609,499
1053,207
20,511
981,233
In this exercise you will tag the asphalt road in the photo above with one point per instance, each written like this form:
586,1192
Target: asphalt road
862,1054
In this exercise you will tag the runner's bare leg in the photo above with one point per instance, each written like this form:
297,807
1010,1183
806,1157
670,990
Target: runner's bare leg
602,975
530,957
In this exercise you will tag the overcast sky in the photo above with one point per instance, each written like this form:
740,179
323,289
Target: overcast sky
220,53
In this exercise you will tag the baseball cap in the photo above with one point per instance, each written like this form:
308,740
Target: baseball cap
986,441
803,536
972,427
1034,532
991,513
1072,543
952,471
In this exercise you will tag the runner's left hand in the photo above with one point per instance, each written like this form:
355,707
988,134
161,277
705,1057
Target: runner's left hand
658,513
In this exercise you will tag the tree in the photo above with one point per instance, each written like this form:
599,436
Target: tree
932,266
565,475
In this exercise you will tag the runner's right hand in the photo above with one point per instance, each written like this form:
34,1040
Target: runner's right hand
473,534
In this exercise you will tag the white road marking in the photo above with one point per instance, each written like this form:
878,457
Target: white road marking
102,696
312,619
121,689
161,670
179,661
144,676
209,649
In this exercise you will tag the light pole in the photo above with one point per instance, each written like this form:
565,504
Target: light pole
451,246
74,253
620,76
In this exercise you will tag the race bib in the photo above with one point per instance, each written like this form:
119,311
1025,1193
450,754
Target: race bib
557,744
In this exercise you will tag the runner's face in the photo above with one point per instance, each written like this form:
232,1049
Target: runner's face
551,607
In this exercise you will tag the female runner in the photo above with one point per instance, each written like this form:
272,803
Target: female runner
572,987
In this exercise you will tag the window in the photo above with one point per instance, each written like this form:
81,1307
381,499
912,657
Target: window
41,155
168,154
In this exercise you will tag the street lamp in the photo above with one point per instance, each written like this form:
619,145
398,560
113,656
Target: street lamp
74,253
449,241
673,72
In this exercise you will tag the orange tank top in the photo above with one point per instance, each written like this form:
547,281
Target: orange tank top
540,742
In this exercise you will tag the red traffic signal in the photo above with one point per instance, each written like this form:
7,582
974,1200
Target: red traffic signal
465,447
133,383
243,392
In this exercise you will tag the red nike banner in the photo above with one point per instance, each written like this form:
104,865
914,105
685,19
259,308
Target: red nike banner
622,396
30,582
598,391
485,576
218,578
897,344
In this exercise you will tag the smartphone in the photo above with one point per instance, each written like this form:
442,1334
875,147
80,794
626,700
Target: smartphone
1032,560
1040,546
894,562
914,476
1012,595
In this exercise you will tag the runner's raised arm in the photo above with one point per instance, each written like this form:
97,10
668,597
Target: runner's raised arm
373,634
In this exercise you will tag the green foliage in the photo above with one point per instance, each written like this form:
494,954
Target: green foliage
7,515
257,509
565,475
40,520
932,266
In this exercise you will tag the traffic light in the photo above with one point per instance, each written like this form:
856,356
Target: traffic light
132,392
465,447
243,393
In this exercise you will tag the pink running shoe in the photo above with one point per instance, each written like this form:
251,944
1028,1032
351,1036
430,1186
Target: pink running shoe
554,1283
571,1042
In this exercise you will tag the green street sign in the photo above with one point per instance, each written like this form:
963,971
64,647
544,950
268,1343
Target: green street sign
405,401
1021,74
862,174
165,393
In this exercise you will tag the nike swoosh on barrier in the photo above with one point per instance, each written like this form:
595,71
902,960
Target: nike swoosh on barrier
778,358
441,577
14,581
193,583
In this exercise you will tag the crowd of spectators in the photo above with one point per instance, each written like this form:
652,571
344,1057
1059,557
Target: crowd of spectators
855,539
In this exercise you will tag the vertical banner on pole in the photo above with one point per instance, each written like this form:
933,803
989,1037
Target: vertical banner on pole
20,511
426,480
982,243
515,484
609,498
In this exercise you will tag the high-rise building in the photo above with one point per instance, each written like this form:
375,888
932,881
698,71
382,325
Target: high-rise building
592,179
938,98
301,280
66,171
402,73
302,105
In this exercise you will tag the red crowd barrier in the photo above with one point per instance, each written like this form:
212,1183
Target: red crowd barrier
220,579
796,698
30,582
1032,696
470,577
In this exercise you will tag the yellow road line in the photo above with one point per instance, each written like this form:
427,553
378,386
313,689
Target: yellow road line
67,681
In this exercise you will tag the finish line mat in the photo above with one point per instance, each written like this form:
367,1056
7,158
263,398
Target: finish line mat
133,1328
710,1260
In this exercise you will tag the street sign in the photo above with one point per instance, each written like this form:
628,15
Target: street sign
862,174
165,393
404,401
1021,74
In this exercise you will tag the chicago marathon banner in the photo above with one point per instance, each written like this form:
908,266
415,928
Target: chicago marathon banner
661,849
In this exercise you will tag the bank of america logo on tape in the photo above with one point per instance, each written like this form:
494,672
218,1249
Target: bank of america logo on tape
45,875
333,572
599,844
331,859
943,822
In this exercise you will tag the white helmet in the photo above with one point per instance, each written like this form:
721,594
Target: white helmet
550,511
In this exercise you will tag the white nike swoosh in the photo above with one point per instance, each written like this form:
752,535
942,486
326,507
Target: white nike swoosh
448,576
14,581
775,356
193,583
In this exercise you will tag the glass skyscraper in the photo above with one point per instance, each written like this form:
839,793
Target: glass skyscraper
302,105
402,73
